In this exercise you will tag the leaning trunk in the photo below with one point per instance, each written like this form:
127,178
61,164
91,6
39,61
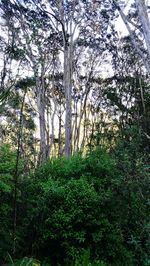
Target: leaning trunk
144,19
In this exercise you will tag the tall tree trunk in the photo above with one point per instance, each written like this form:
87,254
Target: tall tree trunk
42,122
67,78
68,92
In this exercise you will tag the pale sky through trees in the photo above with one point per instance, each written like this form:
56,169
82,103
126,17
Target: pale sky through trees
96,56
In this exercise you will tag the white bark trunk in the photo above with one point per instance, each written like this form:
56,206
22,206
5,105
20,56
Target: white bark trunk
144,19
145,23
68,94
42,122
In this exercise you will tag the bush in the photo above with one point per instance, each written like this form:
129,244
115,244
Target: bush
82,211
80,204
7,167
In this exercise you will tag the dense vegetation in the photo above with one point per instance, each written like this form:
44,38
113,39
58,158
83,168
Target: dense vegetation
74,133
93,208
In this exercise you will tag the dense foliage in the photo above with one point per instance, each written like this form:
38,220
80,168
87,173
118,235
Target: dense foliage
74,133
81,208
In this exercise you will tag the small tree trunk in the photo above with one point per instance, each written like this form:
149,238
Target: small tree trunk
16,176
60,133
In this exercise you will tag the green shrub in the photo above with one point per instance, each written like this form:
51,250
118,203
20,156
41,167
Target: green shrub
80,211
79,204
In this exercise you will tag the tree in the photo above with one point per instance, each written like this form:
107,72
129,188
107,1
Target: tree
138,27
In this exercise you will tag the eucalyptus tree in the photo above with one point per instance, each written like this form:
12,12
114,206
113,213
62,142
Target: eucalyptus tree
34,34
78,30
10,55
10,112
137,22
126,94
79,23
82,95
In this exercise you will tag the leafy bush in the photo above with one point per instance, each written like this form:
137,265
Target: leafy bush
82,211
80,204
7,167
